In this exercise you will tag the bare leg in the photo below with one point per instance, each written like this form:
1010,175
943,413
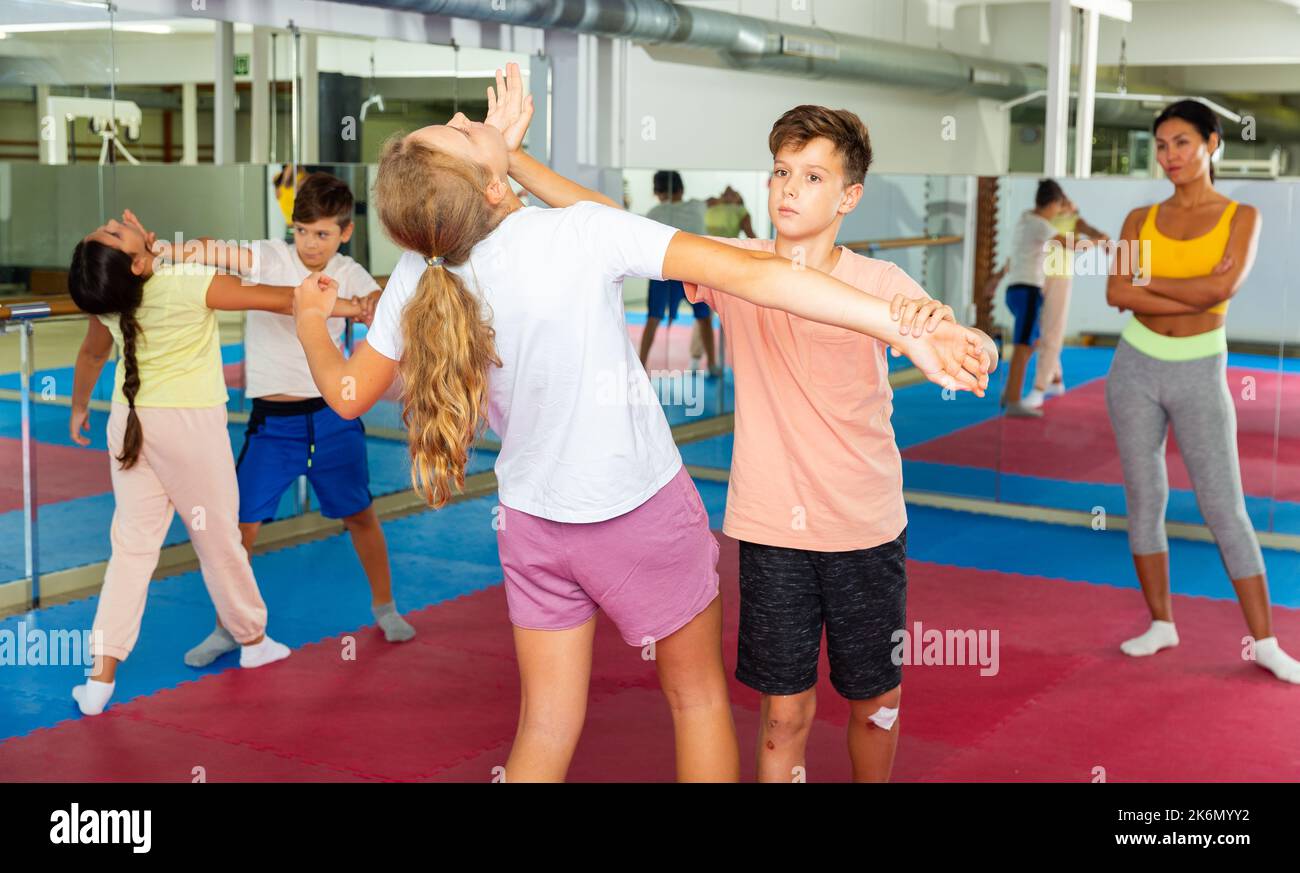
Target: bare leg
1016,374
785,721
372,550
1153,574
1253,594
872,746
647,340
694,680
554,675
706,340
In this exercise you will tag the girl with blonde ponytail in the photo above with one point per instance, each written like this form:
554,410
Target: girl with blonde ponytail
166,434
515,315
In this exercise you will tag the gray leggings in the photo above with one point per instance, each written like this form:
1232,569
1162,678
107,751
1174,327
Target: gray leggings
1145,395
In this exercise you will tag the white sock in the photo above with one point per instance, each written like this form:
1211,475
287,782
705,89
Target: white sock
93,696
263,653
1161,635
1033,399
1269,655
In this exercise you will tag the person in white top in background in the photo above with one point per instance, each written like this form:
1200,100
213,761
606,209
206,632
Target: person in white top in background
292,432
1030,247
666,295
1049,378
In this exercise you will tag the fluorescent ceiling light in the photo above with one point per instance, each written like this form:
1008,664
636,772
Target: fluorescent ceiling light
57,27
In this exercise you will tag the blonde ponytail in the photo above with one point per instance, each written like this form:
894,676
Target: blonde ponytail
433,203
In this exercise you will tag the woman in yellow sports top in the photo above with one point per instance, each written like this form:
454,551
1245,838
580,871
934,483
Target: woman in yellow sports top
1194,251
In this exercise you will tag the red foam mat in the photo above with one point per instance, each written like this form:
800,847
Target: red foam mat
1063,702
1074,440
63,473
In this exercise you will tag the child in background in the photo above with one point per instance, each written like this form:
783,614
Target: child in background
1058,277
666,295
167,436
292,432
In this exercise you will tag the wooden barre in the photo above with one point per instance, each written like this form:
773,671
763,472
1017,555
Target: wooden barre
904,242
57,305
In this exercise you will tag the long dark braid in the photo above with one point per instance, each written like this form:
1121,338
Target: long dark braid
102,282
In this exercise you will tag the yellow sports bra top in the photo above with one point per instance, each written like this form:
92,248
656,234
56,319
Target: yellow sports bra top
1187,258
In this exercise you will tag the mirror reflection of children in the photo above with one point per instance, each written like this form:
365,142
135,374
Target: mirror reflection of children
666,295
1034,234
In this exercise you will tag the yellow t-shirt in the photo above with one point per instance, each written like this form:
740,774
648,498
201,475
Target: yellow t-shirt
1063,263
725,219
178,351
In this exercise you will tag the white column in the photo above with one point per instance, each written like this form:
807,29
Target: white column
189,123
310,100
539,85
50,128
581,133
1058,89
223,91
259,150
1087,96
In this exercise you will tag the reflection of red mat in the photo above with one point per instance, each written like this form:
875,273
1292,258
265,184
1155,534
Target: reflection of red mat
1063,702
62,473
1074,440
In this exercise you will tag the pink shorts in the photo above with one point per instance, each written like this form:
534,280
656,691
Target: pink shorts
652,569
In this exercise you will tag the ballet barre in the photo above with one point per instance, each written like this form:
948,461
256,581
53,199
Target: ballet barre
905,242
20,316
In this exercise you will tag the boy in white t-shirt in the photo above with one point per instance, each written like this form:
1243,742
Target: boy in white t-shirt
292,432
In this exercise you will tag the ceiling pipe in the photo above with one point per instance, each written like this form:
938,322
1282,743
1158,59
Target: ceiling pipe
748,43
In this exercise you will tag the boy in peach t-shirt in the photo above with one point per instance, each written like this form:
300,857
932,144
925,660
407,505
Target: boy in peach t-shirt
816,489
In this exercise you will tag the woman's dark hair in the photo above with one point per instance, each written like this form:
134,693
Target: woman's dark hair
1048,192
1198,115
101,282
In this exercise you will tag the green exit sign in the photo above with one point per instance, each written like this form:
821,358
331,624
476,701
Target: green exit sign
241,65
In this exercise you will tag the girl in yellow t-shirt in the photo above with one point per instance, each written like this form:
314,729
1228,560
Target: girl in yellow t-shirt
166,432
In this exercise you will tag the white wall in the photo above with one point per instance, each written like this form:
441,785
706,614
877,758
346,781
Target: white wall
701,118
1264,309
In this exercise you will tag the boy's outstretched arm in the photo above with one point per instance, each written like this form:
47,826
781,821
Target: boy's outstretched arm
201,250
232,294
951,355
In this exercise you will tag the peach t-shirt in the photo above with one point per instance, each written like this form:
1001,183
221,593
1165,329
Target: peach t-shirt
815,465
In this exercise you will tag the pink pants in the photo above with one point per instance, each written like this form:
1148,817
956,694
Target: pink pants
185,464
1051,331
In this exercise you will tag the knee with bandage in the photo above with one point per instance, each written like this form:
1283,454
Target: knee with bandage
884,717
878,712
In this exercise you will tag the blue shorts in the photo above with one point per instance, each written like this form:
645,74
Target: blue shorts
666,295
286,440
1025,303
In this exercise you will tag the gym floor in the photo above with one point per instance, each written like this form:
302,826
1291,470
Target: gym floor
1059,702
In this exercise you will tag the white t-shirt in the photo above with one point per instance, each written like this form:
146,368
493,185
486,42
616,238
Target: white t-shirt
583,438
274,362
1028,252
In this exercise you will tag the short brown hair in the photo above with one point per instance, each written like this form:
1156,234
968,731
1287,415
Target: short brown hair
842,127
321,195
